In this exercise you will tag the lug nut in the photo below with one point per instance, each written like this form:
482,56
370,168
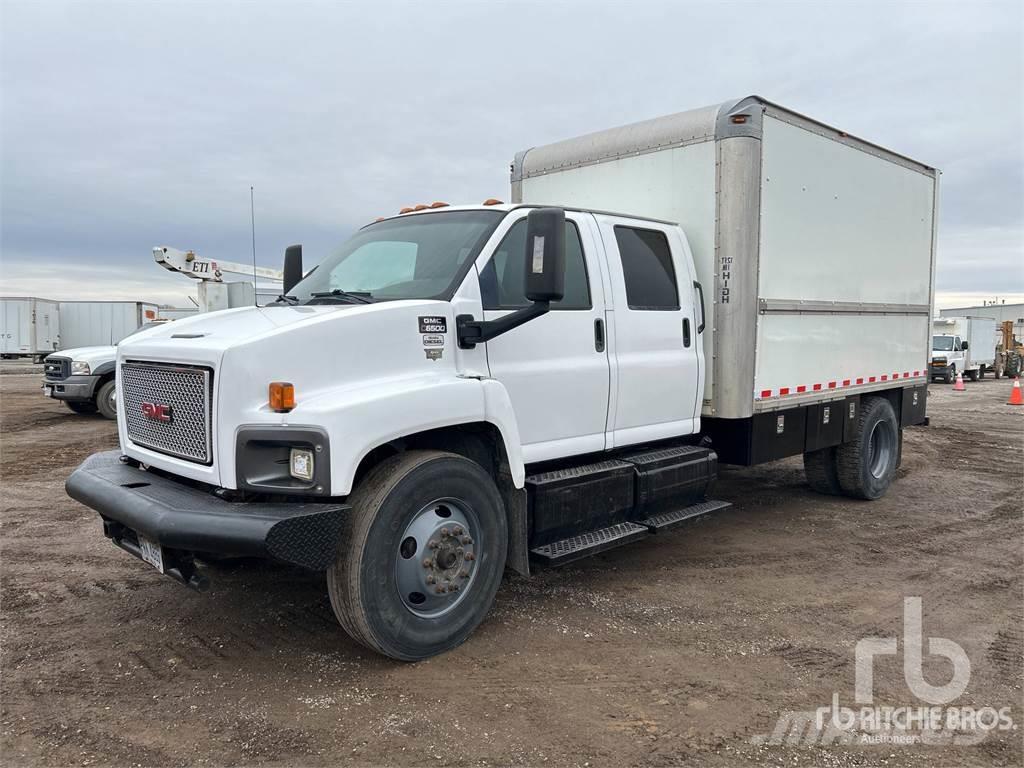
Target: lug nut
428,563
433,544
460,551
466,540
444,533
454,587
439,590
464,574
457,531
470,556
430,578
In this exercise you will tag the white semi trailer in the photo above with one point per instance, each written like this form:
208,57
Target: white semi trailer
29,327
101,323
458,390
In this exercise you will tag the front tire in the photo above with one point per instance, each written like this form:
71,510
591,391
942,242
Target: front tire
106,400
421,555
867,464
951,376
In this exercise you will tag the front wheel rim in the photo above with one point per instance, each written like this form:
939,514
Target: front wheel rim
881,447
437,557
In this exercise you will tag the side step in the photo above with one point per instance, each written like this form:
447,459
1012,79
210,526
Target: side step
666,521
585,544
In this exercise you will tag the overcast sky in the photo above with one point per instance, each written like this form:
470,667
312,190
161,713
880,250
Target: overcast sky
129,125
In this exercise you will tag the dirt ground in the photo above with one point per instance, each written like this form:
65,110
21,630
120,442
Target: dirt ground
682,649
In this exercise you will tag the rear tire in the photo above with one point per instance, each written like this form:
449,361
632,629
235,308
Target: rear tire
106,400
821,471
83,407
393,539
867,464
973,375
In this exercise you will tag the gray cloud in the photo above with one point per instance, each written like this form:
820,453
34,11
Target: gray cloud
131,125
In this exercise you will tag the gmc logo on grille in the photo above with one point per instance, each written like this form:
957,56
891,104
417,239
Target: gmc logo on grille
156,412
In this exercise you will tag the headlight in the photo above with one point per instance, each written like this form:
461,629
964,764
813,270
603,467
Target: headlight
77,366
301,464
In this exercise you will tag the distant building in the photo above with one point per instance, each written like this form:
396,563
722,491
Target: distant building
1000,312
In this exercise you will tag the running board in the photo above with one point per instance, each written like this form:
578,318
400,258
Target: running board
666,521
585,544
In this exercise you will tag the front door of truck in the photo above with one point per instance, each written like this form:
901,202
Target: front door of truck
554,367
657,352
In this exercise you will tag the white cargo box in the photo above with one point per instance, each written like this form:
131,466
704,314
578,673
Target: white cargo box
816,249
101,323
30,326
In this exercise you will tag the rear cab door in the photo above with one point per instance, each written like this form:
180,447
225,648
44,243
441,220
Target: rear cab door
657,358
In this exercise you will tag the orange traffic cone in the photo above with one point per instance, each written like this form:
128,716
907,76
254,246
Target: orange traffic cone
1015,394
959,386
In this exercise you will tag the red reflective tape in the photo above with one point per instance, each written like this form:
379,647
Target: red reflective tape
817,387
766,393
860,380
871,379
895,375
906,374
831,385
846,382
784,391
801,388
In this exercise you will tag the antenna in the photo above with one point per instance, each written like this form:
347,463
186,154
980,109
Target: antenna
252,217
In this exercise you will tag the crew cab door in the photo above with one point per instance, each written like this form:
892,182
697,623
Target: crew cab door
657,357
554,367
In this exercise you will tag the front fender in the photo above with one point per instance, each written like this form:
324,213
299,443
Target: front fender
360,419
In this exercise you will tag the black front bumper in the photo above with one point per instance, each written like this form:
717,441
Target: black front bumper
186,520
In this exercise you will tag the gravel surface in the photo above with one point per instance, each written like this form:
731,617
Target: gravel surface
682,649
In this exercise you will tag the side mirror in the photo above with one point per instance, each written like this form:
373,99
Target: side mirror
292,267
545,254
963,345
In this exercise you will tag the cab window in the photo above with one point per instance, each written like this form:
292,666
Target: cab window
501,281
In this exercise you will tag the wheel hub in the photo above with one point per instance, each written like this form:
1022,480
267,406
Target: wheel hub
436,557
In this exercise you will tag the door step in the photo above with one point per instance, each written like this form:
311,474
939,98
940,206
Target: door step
590,543
666,521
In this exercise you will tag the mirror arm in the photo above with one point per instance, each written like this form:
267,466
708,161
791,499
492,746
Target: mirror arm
472,332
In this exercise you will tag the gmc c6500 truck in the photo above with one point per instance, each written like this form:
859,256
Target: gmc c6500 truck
461,389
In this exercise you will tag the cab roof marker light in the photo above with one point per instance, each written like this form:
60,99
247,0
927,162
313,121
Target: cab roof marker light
492,201
407,209
438,204
420,207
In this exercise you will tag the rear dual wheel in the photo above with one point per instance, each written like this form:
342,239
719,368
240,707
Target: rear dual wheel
864,467
421,555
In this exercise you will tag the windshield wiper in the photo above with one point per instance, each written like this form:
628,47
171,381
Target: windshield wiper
286,299
362,297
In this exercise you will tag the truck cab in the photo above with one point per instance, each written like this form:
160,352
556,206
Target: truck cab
947,357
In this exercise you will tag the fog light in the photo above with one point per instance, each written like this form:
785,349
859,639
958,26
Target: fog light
301,464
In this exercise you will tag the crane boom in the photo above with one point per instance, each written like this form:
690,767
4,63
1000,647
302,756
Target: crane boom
191,265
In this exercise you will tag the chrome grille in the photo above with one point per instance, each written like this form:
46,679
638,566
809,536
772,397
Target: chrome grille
185,391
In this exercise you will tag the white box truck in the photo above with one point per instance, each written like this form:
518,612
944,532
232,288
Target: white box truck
102,323
463,389
31,327
963,345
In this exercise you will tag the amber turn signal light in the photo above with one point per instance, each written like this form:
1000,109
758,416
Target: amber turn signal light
282,396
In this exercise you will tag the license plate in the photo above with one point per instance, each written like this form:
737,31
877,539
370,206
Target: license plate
152,553
48,391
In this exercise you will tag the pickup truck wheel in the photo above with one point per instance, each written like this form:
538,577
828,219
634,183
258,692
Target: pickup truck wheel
106,400
951,376
80,406
822,474
420,556
867,464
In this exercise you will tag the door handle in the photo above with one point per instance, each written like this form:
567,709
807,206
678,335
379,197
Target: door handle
686,331
703,317
599,335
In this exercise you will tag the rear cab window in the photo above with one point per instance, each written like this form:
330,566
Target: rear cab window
647,269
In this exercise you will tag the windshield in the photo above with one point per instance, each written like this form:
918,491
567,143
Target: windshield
942,343
413,257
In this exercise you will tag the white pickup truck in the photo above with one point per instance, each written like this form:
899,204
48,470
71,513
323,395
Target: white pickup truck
463,389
